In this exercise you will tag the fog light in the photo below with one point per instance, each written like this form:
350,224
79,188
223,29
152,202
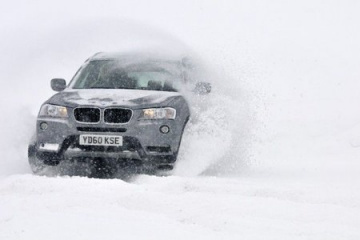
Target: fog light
164,129
43,126
51,147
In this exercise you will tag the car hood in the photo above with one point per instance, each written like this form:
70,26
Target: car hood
113,97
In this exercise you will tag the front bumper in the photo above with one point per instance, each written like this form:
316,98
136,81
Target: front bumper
142,140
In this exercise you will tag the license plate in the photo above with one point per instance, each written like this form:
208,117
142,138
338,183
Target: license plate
101,140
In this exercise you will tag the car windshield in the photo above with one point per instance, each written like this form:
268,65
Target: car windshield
111,74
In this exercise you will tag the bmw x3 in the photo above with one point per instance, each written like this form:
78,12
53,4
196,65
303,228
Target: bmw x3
117,107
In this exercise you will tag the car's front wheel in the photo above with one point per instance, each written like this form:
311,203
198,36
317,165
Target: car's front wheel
37,165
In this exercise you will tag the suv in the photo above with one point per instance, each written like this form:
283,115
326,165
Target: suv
117,107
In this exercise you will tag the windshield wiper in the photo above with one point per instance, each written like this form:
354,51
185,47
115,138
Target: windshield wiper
101,87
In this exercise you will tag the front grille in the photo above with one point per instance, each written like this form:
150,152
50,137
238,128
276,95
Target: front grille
87,115
97,129
117,115
159,149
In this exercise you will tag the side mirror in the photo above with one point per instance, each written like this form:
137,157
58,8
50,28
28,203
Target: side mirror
58,84
202,88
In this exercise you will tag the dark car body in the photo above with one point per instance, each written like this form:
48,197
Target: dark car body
116,107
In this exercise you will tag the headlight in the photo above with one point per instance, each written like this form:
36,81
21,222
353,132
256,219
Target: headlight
48,110
158,113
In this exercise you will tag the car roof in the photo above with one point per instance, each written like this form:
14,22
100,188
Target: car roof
140,56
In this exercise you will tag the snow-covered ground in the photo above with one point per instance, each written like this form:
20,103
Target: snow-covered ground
250,207
274,154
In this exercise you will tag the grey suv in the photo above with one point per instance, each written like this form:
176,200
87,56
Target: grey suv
117,107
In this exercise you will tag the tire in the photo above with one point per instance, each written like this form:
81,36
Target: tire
102,168
157,166
163,170
37,166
